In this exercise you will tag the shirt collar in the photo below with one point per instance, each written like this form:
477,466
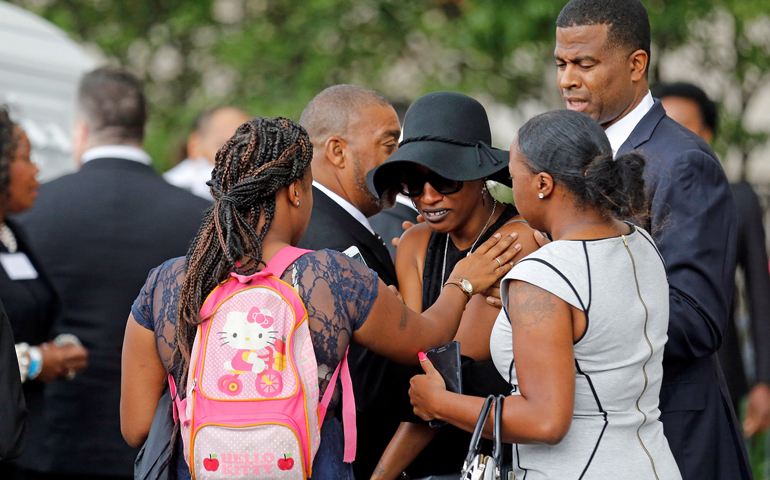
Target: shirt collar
353,211
404,200
618,132
116,151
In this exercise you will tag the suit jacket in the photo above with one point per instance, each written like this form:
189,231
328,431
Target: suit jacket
375,378
388,223
97,233
333,228
31,306
13,412
693,222
752,258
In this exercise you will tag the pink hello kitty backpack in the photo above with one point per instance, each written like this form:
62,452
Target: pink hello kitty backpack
252,408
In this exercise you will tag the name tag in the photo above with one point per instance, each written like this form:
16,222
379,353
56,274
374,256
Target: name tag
17,266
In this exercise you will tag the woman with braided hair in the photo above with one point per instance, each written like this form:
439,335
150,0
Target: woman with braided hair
262,186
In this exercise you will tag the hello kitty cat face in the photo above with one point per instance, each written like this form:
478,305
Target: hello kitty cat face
249,331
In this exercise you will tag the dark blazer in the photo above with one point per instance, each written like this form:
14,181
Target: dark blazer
375,378
31,306
388,223
694,224
333,228
13,412
97,233
752,259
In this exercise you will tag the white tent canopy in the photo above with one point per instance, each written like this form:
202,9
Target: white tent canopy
40,67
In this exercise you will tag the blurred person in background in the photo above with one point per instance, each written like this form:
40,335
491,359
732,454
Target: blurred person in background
602,56
28,295
212,129
443,163
354,129
96,233
13,428
692,108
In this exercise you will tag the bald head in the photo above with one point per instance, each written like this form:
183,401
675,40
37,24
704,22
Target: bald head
213,129
332,111
353,130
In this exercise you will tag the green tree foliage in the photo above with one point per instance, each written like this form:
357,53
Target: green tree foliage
271,56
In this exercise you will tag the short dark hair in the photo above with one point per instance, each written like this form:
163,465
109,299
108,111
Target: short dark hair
329,112
7,151
111,101
573,148
709,111
629,24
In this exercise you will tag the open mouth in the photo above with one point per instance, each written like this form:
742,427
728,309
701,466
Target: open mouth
434,216
575,104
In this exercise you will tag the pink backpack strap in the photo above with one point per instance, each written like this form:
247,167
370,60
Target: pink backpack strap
179,404
348,406
277,265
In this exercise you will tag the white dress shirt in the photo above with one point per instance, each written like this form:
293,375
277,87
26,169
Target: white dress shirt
116,151
192,174
618,132
356,213
406,201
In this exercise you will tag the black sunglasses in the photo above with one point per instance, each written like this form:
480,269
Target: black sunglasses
413,183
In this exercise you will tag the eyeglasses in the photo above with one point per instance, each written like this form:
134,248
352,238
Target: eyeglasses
412,184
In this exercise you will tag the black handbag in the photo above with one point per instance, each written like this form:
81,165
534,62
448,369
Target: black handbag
478,466
154,459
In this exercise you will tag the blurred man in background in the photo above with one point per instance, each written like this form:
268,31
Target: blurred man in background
602,56
213,128
98,232
691,107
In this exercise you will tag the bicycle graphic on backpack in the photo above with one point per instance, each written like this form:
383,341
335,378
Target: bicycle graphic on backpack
250,333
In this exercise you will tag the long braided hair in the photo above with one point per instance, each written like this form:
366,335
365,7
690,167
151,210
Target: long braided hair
264,155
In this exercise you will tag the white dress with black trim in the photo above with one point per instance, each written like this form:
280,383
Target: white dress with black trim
615,431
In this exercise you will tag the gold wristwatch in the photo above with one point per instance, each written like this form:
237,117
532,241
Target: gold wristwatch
462,284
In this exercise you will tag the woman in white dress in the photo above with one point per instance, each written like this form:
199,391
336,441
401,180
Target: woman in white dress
585,317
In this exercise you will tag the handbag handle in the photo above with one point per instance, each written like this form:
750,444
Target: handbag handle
497,451
473,449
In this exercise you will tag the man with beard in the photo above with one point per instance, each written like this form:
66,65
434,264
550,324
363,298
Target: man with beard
602,57
354,130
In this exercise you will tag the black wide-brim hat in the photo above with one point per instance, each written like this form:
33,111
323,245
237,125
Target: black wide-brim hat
448,133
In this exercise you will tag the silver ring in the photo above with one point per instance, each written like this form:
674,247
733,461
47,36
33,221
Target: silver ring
499,262
70,374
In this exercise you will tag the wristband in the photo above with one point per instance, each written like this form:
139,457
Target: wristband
35,362
22,355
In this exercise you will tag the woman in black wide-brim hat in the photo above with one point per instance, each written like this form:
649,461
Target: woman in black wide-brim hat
443,164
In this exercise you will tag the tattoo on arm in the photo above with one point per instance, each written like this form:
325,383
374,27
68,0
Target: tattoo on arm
531,306
404,315
379,470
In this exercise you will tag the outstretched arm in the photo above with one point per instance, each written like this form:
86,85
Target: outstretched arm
545,368
398,333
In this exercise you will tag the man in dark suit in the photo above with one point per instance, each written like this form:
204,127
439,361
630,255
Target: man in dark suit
389,223
97,233
353,130
689,106
602,54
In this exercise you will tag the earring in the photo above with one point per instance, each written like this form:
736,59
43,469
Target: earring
298,202
540,195
484,192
